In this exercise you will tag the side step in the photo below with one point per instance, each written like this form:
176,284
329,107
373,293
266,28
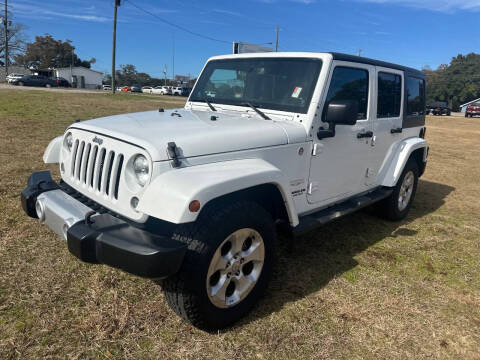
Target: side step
322,217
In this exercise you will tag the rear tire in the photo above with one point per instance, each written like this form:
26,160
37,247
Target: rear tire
397,205
202,293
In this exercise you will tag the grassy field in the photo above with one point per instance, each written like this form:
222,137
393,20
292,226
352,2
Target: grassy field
359,288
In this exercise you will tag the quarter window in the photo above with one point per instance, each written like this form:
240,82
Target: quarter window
350,84
415,96
389,95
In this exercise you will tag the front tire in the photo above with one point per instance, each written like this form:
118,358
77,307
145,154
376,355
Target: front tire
227,266
397,205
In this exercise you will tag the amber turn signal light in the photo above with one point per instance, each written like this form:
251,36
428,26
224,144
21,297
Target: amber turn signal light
194,206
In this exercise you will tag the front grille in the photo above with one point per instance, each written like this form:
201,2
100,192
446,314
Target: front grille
96,167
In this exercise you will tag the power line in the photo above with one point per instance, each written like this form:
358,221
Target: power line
177,26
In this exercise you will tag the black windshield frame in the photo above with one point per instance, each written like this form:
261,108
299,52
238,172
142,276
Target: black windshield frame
302,72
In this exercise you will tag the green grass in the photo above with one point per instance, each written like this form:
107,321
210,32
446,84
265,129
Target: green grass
359,288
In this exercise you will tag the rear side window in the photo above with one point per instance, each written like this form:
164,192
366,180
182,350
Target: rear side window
389,95
350,84
415,96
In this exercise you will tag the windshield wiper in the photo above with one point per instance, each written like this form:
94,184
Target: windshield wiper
209,103
262,114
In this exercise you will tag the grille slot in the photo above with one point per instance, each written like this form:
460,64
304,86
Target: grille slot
117,177
98,168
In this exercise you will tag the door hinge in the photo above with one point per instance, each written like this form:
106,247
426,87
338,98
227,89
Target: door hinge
312,187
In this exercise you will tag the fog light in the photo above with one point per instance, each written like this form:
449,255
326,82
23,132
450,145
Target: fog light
40,208
134,203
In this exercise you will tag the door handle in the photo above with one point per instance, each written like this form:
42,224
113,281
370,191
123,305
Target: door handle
396,131
366,134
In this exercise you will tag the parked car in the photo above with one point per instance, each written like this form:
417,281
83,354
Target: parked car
186,91
106,87
440,108
61,82
162,90
147,90
136,89
161,195
126,89
176,90
35,80
473,110
12,77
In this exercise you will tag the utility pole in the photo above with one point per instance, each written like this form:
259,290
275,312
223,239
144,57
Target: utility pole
277,29
165,74
116,3
6,39
173,58
359,52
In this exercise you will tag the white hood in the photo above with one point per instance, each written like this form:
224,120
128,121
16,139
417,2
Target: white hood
194,132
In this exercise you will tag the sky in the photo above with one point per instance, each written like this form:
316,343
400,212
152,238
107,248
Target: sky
409,32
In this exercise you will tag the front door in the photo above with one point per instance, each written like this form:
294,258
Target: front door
339,164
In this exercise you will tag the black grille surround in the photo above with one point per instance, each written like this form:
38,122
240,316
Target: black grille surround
154,225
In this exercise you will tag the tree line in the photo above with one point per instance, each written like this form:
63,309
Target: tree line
128,75
455,83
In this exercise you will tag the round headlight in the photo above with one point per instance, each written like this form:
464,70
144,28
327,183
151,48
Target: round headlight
68,141
141,169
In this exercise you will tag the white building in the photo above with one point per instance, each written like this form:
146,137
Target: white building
463,107
80,77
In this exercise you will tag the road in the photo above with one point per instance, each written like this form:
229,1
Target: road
66,90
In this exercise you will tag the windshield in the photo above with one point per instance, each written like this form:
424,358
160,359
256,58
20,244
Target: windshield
284,84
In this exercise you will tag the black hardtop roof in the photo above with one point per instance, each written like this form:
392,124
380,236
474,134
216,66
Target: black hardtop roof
362,60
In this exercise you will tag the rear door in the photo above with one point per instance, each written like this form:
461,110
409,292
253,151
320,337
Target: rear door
387,122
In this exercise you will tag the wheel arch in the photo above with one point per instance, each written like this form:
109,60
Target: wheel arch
169,195
52,152
411,148
267,195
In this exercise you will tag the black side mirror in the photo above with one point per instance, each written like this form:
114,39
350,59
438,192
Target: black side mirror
343,112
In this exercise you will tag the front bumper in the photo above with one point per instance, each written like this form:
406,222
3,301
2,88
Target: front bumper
100,238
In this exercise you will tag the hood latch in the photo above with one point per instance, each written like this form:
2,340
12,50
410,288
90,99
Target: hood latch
173,153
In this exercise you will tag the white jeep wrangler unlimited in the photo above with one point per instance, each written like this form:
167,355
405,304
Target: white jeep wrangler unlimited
193,195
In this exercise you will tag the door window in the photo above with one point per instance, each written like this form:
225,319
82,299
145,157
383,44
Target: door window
389,95
350,84
415,96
